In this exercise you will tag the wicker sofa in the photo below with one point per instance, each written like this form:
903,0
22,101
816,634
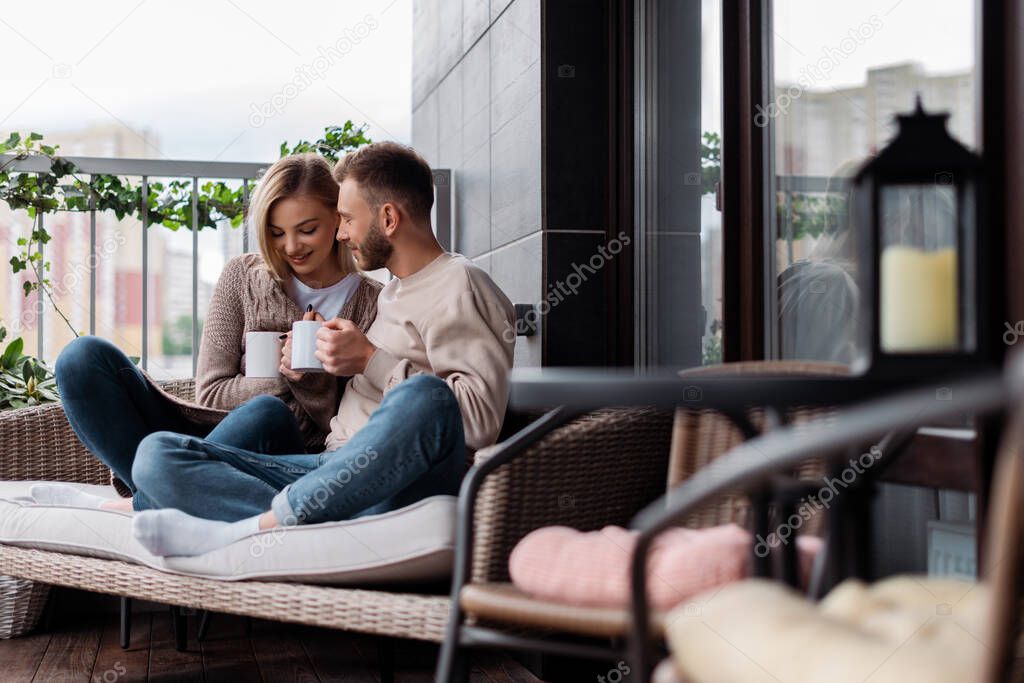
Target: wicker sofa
564,478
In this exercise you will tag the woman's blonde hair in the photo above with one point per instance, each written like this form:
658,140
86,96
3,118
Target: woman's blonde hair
307,175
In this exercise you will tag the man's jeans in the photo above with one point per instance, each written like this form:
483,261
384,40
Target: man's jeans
412,447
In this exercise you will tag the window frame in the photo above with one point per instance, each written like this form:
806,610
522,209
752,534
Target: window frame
748,216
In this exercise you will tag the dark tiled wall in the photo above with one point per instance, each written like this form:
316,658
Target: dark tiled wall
477,110
579,158
530,154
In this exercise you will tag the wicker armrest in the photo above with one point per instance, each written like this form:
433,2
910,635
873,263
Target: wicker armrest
38,443
586,473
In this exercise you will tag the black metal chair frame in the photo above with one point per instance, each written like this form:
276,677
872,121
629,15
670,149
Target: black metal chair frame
453,663
755,465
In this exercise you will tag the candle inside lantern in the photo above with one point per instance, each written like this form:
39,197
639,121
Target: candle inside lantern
918,300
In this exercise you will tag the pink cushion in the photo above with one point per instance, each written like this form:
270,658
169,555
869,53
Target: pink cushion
592,568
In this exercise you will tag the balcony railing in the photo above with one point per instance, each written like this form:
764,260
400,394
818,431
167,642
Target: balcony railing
194,170
788,186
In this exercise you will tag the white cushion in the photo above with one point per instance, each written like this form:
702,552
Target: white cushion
415,543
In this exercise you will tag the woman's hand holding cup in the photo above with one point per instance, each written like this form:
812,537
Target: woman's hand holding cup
286,349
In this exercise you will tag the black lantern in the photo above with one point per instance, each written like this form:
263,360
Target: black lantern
917,216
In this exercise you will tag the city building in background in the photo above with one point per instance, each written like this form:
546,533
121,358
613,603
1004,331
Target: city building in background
118,268
826,128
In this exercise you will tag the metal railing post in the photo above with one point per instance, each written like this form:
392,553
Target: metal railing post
443,190
145,272
245,210
93,261
40,308
195,273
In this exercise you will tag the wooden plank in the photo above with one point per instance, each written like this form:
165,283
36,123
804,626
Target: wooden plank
21,656
123,666
88,649
167,664
227,650
415,661
500,668
280,655
338,656
935,461
71,652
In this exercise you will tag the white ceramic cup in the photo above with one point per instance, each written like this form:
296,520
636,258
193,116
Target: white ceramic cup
304,346
262,354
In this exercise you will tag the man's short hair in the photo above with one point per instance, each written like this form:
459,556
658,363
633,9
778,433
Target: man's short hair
390,172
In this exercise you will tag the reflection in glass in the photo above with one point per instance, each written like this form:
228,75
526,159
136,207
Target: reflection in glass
841,71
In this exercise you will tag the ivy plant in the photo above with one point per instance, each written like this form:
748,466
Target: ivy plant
168,204
710,162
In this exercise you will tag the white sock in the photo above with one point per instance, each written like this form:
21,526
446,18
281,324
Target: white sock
62,494
173,532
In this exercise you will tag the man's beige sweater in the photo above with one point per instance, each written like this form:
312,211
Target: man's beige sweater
448,319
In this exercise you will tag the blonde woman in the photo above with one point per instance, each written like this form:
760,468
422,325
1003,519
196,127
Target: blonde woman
302,271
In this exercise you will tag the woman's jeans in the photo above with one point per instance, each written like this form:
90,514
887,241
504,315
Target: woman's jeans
411,448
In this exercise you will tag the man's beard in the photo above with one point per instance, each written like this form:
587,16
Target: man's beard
375,249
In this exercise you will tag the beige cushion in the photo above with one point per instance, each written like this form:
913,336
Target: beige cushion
901,629
666,672
415,543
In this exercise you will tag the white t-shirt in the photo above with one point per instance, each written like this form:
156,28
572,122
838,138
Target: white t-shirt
328,301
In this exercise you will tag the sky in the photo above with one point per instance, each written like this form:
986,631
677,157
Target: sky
224,80
202,74
937,33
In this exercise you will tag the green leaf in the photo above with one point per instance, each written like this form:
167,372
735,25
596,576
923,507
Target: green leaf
12,353
27,287
35,136
49,395
61,167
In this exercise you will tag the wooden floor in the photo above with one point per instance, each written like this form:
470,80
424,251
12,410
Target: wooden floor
82,645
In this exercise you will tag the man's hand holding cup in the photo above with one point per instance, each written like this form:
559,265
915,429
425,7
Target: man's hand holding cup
343,348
